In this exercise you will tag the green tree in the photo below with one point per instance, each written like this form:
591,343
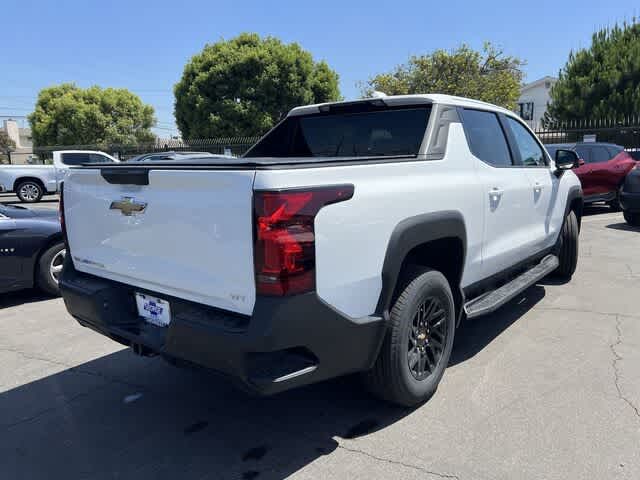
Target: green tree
6,145
602,81
244,86
486,75
68,115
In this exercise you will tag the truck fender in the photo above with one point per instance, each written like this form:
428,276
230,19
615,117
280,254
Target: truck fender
410,233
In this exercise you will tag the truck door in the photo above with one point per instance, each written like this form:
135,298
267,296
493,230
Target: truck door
508,236
543,183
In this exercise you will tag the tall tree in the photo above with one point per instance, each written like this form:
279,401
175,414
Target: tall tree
602,81
68,115
486,75
6,145
244,86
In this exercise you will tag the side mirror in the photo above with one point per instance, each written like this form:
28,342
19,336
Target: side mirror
567,159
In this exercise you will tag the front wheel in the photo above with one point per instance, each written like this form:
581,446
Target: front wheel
50,268
418,344
568,247
29,191
632,219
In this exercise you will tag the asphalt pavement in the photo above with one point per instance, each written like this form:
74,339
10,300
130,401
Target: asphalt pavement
547,387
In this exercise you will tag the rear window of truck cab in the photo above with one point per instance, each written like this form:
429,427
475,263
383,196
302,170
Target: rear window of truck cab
374,132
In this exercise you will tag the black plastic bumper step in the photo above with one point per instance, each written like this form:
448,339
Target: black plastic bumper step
491,301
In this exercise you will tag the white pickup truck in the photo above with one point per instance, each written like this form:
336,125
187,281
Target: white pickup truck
353,237
31,182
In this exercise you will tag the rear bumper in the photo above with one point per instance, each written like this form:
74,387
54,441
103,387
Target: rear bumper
286,343
630,201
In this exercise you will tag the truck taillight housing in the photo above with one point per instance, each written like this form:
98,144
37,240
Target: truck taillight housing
285,253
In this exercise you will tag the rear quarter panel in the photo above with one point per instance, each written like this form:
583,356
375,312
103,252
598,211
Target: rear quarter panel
352,236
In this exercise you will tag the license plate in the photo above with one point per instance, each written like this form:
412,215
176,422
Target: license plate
153,310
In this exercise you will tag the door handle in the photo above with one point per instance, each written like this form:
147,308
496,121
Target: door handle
495,193
537,188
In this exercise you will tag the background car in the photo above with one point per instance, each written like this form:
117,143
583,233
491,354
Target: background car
31,182
602,170
31,249
154,157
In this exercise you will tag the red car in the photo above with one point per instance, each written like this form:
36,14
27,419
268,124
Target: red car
603,167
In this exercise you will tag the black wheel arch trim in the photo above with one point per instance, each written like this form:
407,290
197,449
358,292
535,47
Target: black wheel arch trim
413,232
575,193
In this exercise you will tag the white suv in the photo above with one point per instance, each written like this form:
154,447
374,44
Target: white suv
353,237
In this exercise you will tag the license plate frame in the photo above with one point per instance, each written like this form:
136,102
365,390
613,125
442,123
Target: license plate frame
154,310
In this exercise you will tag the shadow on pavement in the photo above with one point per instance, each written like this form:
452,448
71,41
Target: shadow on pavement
623,226
124,416
474,335
20,297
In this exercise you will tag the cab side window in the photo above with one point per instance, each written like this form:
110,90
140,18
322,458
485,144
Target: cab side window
531,153
486,137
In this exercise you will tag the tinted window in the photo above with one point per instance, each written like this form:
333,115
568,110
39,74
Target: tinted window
97,158
359,134
614,150
486,138
531,153
75,158
583,153
599,154
79,158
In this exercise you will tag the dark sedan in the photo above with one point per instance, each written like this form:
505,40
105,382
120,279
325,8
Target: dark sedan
31,249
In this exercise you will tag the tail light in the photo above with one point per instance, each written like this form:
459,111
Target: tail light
285,254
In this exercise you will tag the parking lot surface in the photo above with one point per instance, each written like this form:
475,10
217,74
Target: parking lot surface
547,387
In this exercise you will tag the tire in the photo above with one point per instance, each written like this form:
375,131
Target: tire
568,247
396,376
632,219
29,191
49,268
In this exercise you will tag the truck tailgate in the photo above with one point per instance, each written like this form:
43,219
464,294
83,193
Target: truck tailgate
192,237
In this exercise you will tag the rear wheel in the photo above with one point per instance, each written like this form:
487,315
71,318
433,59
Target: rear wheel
568,247
29,191
50,268
418,344
632,218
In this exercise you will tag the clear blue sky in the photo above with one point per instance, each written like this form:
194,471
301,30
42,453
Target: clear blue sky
143,45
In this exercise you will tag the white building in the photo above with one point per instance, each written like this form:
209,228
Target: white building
533,101
23,152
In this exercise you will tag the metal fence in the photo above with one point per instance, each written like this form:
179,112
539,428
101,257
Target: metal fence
235,146
625,133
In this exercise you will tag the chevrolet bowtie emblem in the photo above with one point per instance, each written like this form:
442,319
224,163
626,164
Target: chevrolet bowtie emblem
128,206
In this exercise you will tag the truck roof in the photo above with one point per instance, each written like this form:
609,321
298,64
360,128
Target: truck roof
401,100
